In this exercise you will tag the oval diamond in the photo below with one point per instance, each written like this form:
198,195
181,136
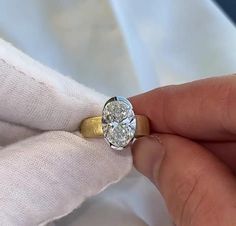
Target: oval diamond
118,122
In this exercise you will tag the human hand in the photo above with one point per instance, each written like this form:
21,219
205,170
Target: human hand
191,155
47,168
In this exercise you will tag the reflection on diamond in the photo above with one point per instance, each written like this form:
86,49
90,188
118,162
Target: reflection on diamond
118,122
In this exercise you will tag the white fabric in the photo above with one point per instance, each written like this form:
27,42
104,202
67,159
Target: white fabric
121,47
47,174
176,41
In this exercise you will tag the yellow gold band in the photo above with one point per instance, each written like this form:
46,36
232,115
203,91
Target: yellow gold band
92,127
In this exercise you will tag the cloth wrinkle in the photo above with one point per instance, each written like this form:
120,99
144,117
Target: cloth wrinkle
47,168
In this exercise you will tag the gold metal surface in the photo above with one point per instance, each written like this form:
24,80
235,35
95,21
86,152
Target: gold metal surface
92,127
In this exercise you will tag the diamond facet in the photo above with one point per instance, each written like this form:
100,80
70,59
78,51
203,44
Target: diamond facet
118,122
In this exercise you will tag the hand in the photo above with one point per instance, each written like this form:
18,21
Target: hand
47,169
191,156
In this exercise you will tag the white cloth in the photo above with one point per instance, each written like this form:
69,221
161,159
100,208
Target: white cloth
47,174
136,46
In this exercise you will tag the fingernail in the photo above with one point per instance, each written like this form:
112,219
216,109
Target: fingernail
148,154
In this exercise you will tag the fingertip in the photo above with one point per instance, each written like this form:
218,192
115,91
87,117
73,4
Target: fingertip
148,153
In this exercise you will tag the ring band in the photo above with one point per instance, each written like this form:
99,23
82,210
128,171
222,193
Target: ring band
92,127
118,124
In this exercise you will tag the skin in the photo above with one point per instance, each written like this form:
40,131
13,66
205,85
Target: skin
191,154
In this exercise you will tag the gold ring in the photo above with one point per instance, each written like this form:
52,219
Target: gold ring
118,124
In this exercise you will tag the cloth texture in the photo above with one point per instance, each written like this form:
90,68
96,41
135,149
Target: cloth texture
47,169
118,47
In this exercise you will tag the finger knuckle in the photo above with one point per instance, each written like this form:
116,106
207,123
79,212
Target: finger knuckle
185,189
191,205
227,106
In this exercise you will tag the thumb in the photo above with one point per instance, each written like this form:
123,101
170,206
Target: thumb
198,189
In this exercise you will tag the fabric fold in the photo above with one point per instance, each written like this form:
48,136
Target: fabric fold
47,168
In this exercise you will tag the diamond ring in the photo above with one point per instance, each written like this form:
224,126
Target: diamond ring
118,124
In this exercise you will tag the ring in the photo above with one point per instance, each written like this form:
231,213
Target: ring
118,124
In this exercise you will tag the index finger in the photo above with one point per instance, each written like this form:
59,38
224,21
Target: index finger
203,109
